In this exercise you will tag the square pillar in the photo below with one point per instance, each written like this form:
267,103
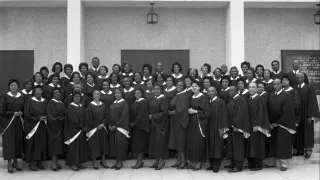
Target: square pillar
235,52
75,44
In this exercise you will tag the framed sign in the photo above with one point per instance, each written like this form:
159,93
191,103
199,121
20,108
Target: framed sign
309,64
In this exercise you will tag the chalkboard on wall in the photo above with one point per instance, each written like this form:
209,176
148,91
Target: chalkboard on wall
309,64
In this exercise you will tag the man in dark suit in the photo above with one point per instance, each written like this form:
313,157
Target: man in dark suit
95,66
159,70
292,75
276,73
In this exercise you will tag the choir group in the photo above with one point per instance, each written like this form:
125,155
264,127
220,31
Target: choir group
91,115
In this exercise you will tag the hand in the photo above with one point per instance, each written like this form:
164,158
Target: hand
255,129
132,124
16,113
192,111
297,124
21,113
172,112
114,128
150,117
43,118
100,126
235,129
274,124
110,128
221,134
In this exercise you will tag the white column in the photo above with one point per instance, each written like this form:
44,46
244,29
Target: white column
235,52
75,52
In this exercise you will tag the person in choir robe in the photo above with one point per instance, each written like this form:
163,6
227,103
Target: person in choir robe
27,91
224,93
115,80
309,114
206,83
45,72
158,116
140,127
38,79
65,80
282,120
54,83
193,73
119,125
234,75
96,131
83,69
159,70
292,75
224,70
35,113
11,125
127,71
276,73
160,79
267,81
239,125
259,72
169,90
56,116
217,79
128,90
188,84
206,70
250,77
106,95
245,65
137,81
84,98
262,92
90,86
149,91
260,128
74,79
146,71
242,88
218,126
176,70
74,133
179,119
198,120
95,62
103,74
116,68
56,69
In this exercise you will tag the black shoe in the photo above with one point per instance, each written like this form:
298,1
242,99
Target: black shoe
298,154
247,167
95,167
268,166
154,165
75,168
183,167
159,168
137,167
255,169
103,165
40,166
118,167
215,170
231,166
10,169
54,169
283,169
33,167
210,168
197,169
307,156
59,167
80,166
114,166
16,167
234,170
176,165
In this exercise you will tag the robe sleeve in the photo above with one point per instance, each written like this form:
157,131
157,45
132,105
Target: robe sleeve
123,120
28,112
260,120
52,113
223,117
296,102
162,112
182,107
4,109
313,107
203,112
89,120
141,107
287,118
241,117
73,118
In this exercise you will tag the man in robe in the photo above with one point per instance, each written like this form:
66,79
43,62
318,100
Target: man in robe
309,114
95,67
159,70
292,74
276,73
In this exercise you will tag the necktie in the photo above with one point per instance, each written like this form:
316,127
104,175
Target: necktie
299,86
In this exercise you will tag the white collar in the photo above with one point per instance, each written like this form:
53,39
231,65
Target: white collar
172,88
276,72
81,75
164,83
277,93
225,89
160,96
217,79
211,100
109,92
270,81
95,69
131,89
177,77
295,72
289,89
197,80
253,80
90,85
199,95
116,86
36,84
236,95
144,78
53,85
94,103
18,94
148,91
204,91
254,96
56,100
245,91
25,92
188,89
139,99
76,105
263,93
181,92
208,75
118,101
72,83
302,85
142,82
35,99
130,74
232,79
66,76
100,77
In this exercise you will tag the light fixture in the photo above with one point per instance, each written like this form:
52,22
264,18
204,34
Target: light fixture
152,16
317,16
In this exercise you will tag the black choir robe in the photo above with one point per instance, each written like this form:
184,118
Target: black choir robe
245,94
169,94
56,114
179,121
140,130
218,121
149,95
277,75
265,96
96,114
84,100
47,91
107,98
64,81
119,116
309,108
158,109
99,79
196,142
281,112
26,95
224,95
268,86
217,85
89,89
113,87
35,145
129,96
12,139
293,79
141,85
76,143
233,81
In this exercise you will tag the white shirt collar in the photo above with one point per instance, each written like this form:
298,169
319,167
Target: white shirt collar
208,75
66,76
18,94
35,99
164,83
236,95
217,79
94,103
118,101
289,89
233,79
211,100
245,91
25,92
263,93
181,92
131,89
142,82
302,85
188,89
253,80
225,89
254,96
130,74
295,72
100,77
204,91
90,85
169,90
199,95
139,99
53,85
95,69
276,72
160,96
270,81
56,100
144,78
76,105
116,86
109,92
277,93
177,77
36,84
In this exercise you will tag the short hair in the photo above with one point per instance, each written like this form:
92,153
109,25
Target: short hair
13,81
196,71
72,75
225,78
54,89
134,74
189,77
233,67
161,74
245,63
44,68
127,77
217,69
208,67
118,65
67,66
251,69
34,89
287,77
26,82
174,64
95,58
104,80
121,90
152,81
253,83
53,76
141,90
127,63
34,76
113,73
268,71
182,81
83,64
91,74
242,80
105,67
275,61
159,85
197,83
147,66
76,93
55,64
259,65
209,78
260,82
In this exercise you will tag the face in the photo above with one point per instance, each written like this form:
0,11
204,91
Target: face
96,95
146,71
187,82
275,66
137,77
77,87
76,78
138,94
224,69
116,69
249,75
95,63
103,71
45,73
38,93
13,87
206,83
259,71
159,79
300,78
38,78
126,68
105,86
260,88
234,73
285,82
76,98
84,69
295,64
68,71
192,73
266,74
126,82
169,82
241,85
225,83
56,94
217,73
180,86
212,92
57,69
233,91
118,94
157,91
176,69
277,85
253,89
159,67
28,86
90,79
55,81
195,88
149,85
244,68
204,69
114,78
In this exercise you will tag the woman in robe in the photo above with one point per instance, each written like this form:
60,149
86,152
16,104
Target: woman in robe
259,72
188,83
206,83
103,74
45,73
128,91
83,69
158,116
149,91
170,90
106,95
56,115
74,133
216,81
268,81
146,71
140,127
176,69
115,80
179,119
242,88
27,91
161,80
193,73
224,93
119,124
56,69
90,86
74,79
206,70
54,83
137,81
84,98
96,131
66,79
198,121
38,79
35,113
116,68
250,77
126,71
262,92
12,125
234,75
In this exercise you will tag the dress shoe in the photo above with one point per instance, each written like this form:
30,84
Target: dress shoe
159,167
59,167
307,156
255,169
80,166
118,167
74,168
298,154
54,169
103,165
40,166
247,167
234,170
10,169
137,167
197,168
210,168
176,165
283,168
229,166
154,165
33,167
15,166
215,170
95,167
183,167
